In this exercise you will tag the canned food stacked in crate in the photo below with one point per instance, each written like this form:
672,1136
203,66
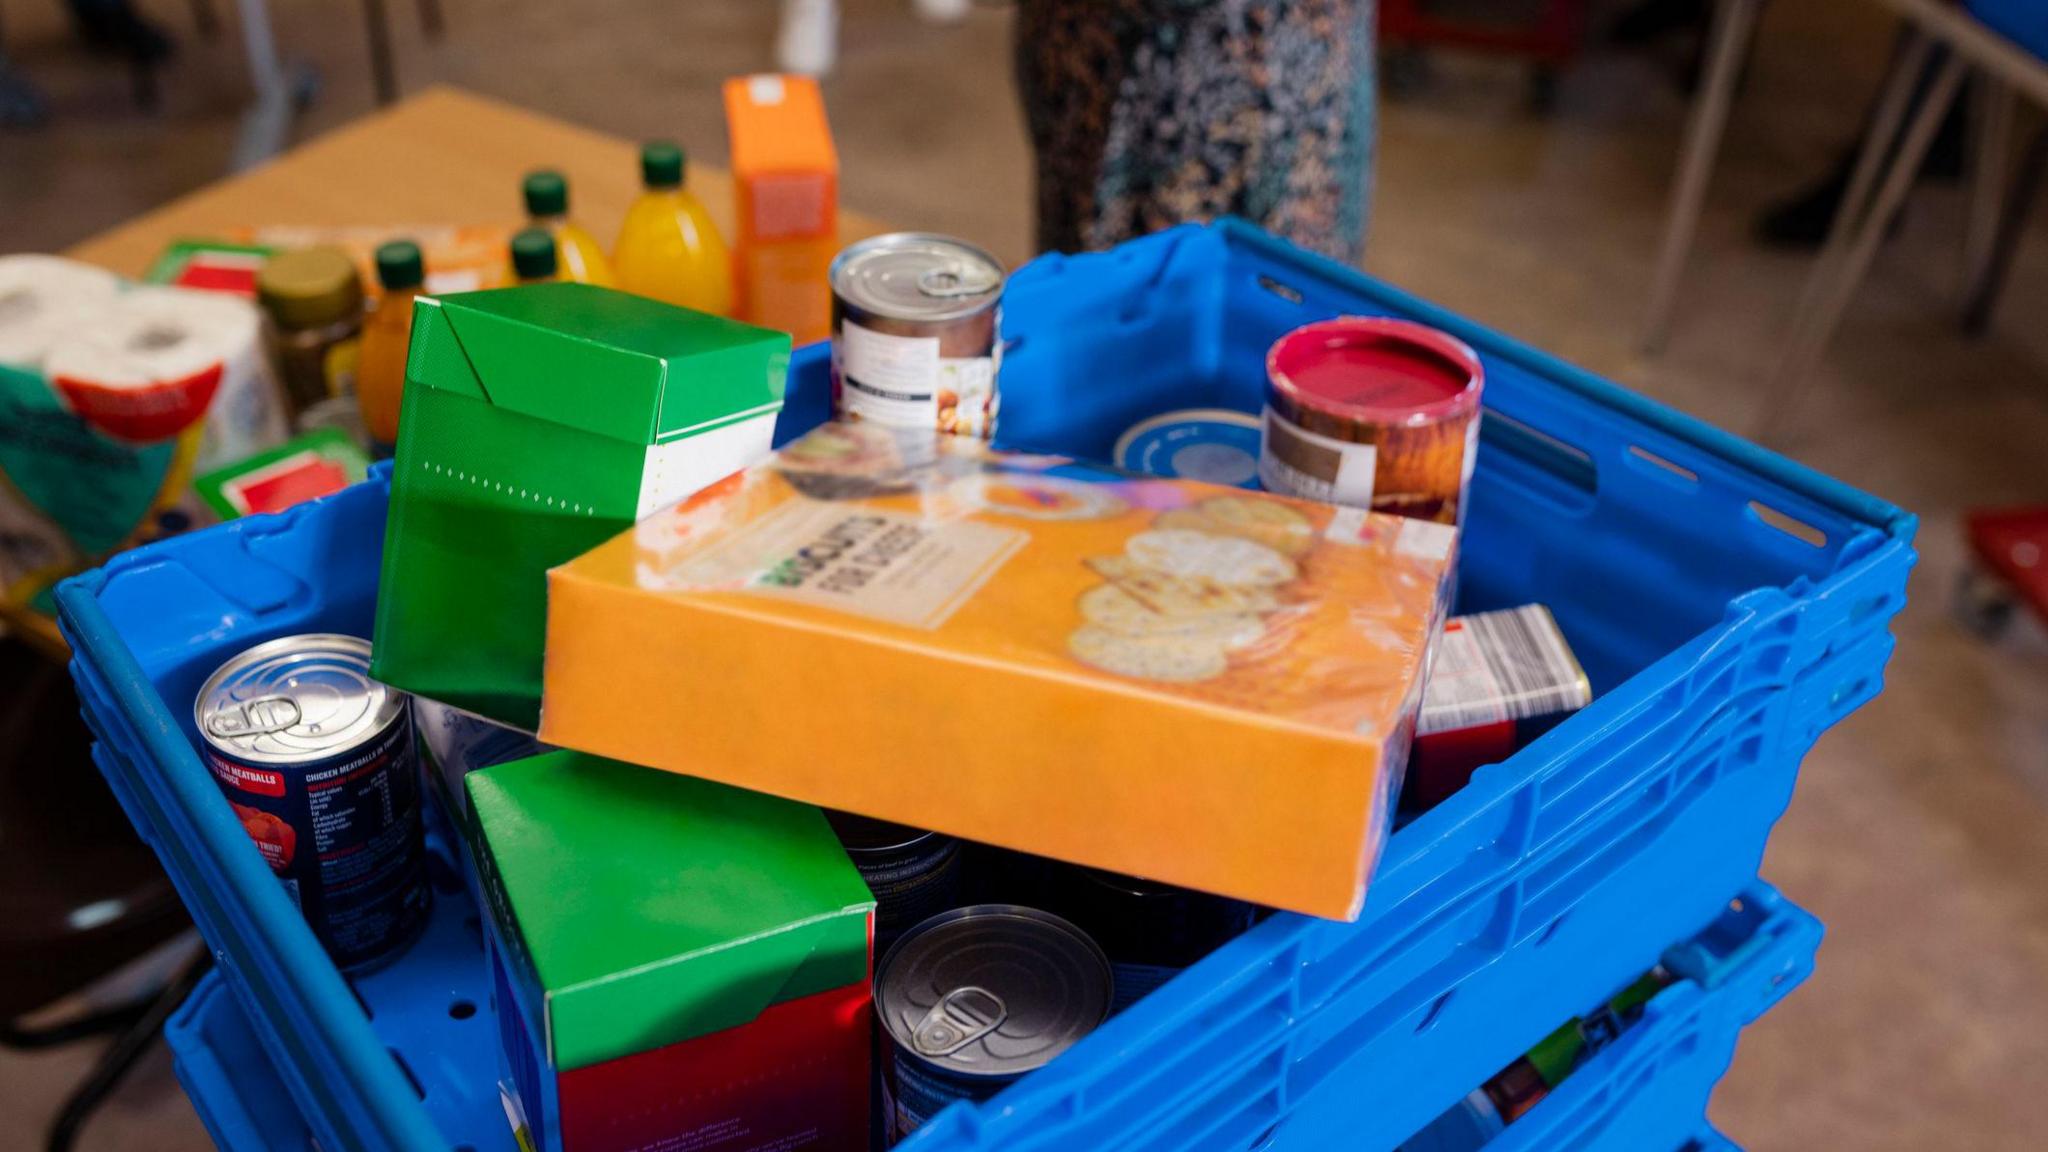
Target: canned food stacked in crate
1187,697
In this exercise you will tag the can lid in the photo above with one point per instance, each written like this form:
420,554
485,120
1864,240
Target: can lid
546,192
866,834
533,254
1375,369
400,265
1213,445
662,164
309,287
295,699
917,276
992,990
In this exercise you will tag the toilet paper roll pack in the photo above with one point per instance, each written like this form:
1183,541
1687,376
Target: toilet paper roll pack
111,398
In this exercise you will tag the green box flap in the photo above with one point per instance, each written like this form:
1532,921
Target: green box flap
644,371
653,907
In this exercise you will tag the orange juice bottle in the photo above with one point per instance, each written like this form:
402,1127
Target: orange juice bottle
580,256
669,249
380,366
534,260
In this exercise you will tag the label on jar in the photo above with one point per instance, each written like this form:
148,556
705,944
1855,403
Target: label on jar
1298,462
903,382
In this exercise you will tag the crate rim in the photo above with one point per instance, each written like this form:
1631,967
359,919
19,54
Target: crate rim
1838,495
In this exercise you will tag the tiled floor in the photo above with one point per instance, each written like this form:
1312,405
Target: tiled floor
1920,829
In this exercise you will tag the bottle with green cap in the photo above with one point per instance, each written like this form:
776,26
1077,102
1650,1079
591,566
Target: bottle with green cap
534,260
380,373
581,257
669,249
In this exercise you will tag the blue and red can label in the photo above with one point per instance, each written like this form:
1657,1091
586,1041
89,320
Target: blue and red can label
344,836
319,764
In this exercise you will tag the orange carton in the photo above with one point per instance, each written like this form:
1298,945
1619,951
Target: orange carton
1205,686
786,181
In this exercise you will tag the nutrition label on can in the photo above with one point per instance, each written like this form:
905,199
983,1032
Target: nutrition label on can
914,1094
1134,982
903,382
345,838
911,887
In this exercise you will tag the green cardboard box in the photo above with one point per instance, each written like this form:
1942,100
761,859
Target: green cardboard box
649,930
539,421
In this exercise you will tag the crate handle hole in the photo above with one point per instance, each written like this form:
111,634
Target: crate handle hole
1671,466
1434,1014
1790,525
461,1010
1291,295
368,1013
1568,462
417,1088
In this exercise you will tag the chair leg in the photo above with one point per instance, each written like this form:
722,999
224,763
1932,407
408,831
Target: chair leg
382,69
1833,289
433,22
120,1057
1879,141
1990,145
2019,201
1734,27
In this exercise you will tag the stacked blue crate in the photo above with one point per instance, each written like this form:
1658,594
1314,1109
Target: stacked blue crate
1728,605
1646,1092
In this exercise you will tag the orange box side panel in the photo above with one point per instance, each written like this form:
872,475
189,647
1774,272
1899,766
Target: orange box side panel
1179,793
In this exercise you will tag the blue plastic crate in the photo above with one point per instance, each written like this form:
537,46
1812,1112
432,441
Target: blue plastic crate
1649,1088
1729,606
1647,1092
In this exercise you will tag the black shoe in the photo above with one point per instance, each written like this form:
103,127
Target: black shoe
1652,20
113,26
1803,221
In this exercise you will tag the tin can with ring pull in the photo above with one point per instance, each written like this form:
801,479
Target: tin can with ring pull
319,764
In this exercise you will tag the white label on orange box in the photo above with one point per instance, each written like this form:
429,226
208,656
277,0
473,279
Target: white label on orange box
873,562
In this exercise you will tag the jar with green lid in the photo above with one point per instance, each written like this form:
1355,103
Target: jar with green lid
314,299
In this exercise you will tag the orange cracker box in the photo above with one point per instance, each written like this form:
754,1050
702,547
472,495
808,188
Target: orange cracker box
786,184
1201,685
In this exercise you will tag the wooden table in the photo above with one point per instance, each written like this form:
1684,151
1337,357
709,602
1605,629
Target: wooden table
443,157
